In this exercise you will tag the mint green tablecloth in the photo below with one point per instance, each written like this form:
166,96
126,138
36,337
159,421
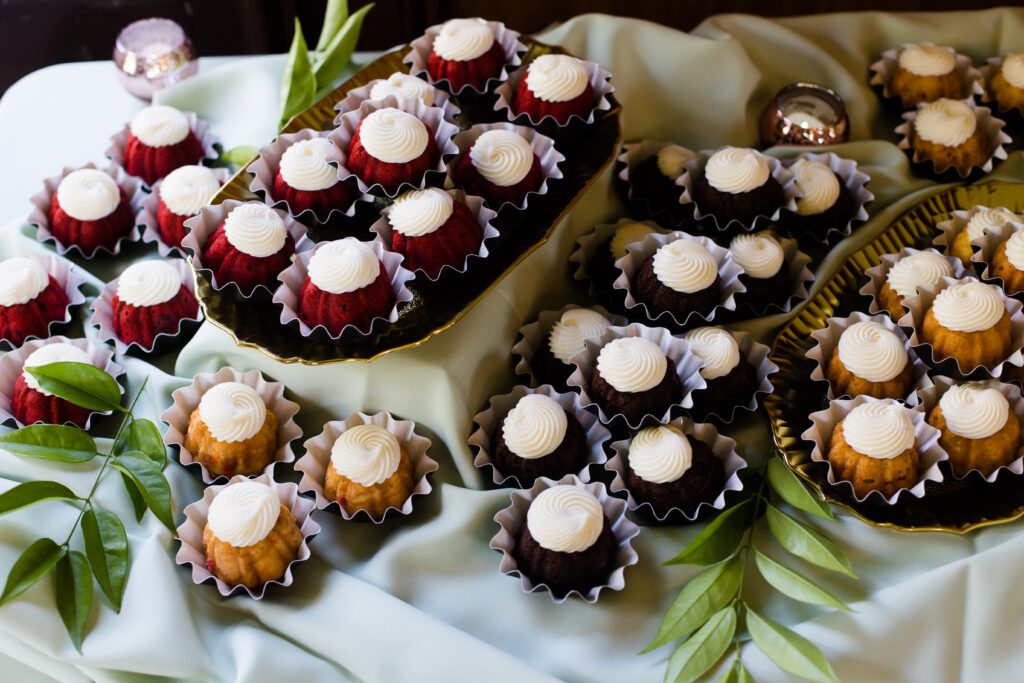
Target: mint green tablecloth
421,599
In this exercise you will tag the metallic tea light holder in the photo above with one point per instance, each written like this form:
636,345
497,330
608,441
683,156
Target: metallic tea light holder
805,114
151,54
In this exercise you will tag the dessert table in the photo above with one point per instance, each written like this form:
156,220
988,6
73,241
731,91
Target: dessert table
421,598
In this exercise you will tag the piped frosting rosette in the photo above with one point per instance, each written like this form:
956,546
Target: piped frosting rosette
313,465
670,464
511,520
883,69
1012,234
587,249
888,434
419,55
855,181
190,533
992,126
199,128
488,421
633,153
795,261
972,225
43,200
186,400
401,86
906,278
150,206
21,280
756,354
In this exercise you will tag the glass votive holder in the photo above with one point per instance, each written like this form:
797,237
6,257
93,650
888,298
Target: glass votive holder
151,54
805,114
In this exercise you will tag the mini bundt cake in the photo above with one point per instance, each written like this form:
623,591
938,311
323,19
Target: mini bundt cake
766,274
654,178
231,431
669,469
633,377
466,53
969,322
825,202
554,85
926,73
916,270
874,448
346,285
982,221
947,133
369,470
500,167
432,230
601,268
31,404
89,210
391,147
404,87
737,184
977,427
731,379
681,277
870,360
1006,85
159,141
249,248
30,299
150,300
538,438
180,196
552,359
308,182
1007,263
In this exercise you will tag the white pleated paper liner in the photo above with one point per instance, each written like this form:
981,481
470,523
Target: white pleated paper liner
484,216
993,128
148,219
695,168
990,242
586,249
102,317
600,82
314,463
186,401
756,354
420,49
512,519
1012,115
638,252
633,153
542,146
286,296
356,96
43,201
926,441
955,226
826,344
201,227
70,280
199,128
677,350
12,364
912,320
879,275
432,117
885,67
800,276
855,181
722,446
488,421
190,534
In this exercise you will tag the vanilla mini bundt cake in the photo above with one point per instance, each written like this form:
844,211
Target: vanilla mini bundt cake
870,360
968,321
874,449
369,470
977,426
231,431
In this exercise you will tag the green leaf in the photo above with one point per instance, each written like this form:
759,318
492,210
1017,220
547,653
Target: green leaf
737,673
106,545
703,595
138,503
334,16
74,594
338,53
51,442
30,567
239,156
806,543
150,482
698,654
790,651
794,585
143,436
298,89
83,384
720,538
32,492
793,491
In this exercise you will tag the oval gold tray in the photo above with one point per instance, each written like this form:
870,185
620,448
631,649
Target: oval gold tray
956,506
435,306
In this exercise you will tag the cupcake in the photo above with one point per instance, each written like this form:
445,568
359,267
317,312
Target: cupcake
875,449
249,248
1005,84
231,431
32,404
968,321
538,438
390,147
552,359
634,378
501,167
180,195
30,300
160,139
907,275
554,85
948,133
1007,263
977,427
825,202
871,360
731,379
765,272
680,278
736,184
432,229
654,179
308,182
981,221
369,470
90,211
926,73
150,300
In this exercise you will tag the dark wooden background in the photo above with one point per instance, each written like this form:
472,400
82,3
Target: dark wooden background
37,33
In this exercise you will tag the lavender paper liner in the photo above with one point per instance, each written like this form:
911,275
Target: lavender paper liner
990,243
199,128
511,520
885,67
356,96
148,220
70,280
313,465
600,82
878,275
420,50
633,153
190,534
800,275
756,354
951,228
855,181
993,128
186,401
588,244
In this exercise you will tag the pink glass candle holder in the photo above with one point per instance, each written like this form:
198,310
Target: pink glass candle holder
805,114
151,54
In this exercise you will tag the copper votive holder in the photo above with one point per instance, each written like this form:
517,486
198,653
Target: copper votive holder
151,54
805,114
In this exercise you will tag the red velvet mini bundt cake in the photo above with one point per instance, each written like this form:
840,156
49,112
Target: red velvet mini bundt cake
31,404
249,248
554,85
306,180
89,210
347,285
432,230
30,299
180,196
391,147
150,300
500,167
466,53
159,141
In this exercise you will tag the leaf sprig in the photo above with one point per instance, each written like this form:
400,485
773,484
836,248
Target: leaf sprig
137,452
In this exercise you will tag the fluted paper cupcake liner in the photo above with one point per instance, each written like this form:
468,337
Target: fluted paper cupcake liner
600,81
70,280
148,220
993,128
756,354
484,217
631,154
885,67
356,96
420,49
926,441
314,463
488,421
511,521
724,449
800,276
878,275
186,401
855,181
12,364
102,317
951,228
1013,116
190,534
43,201
989,243
199,128
587,246
292,278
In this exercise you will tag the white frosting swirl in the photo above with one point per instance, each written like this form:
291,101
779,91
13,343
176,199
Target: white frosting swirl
367,454
343,265
632,364
974,410
304,165
502,157
916,270
736,170
1013,69
148,283
242,514
818,186
879,430
627,234
946,122
255,229
872,352
187,189
55,352
461,40
660,454
685,266
420,212
535,426
159,126
717,348
21,280
1015,250
927,60
672,158
988,220
393,136
404,87
969,307
232,411
556,78
574,327
88,194
760,256
565,518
